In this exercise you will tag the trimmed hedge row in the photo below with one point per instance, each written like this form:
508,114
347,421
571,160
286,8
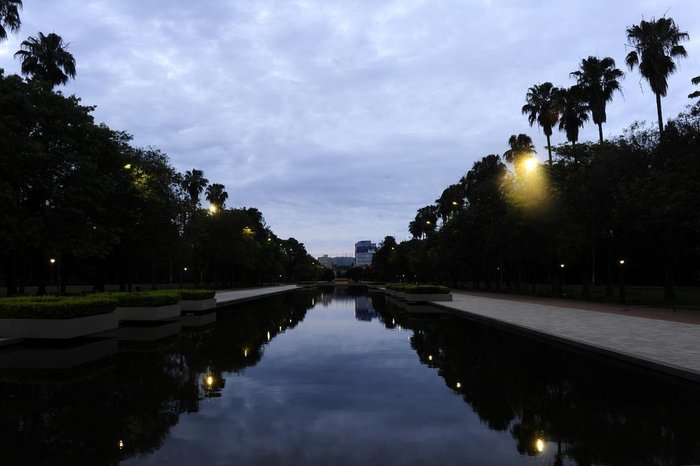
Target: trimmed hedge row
145,298
68,307
157,298
425,289
418,289
55,307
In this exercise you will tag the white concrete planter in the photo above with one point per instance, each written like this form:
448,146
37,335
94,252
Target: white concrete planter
150,333
197,305
421,308
424,298
58,328
198,320
60,357
148,313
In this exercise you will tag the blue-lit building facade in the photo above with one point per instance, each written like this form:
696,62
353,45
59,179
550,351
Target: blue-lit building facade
364,250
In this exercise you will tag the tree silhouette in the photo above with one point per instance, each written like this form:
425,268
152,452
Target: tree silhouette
520,146
656,43
696,81
9,17
46,58
598,80
574,112
217,195
194,183
541,107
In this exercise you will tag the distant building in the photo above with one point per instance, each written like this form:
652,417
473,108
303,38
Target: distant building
364,250
343,262
326,261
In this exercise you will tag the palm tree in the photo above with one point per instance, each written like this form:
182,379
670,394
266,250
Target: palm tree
194,183
217,195
9,16
574,112
47,59
655,44
542,107
520,146
696,81
598,79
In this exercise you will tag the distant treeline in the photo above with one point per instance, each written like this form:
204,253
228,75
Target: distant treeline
108,212
612,211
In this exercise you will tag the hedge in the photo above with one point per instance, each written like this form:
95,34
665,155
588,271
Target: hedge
55,307
425,289
145,298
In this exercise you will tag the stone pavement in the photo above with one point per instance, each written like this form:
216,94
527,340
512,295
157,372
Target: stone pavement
663,345
226,298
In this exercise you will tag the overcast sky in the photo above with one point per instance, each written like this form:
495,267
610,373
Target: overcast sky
339,119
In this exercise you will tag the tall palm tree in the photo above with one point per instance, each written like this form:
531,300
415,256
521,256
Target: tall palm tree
9,17
598,79
194,183
542,107
520,146
656,43
696,81
46,58
216,194
574,112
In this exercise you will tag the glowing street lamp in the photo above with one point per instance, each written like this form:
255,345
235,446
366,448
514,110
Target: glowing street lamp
622,280
530,164
53,261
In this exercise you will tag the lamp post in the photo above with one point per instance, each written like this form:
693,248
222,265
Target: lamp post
622,280
52,261
563,275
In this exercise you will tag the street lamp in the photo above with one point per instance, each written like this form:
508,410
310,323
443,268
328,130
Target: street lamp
52,261
622,280
562,266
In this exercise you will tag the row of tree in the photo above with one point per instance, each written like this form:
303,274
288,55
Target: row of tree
80,204
597,212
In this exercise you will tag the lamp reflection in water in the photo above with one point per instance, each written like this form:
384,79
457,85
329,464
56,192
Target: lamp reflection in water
213,384
539,444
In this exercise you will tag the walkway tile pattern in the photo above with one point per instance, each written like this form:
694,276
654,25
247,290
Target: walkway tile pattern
225,298
671,347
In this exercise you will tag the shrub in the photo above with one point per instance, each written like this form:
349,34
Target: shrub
425,289
145,298
55,307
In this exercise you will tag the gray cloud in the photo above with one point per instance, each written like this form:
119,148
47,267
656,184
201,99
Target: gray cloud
339,119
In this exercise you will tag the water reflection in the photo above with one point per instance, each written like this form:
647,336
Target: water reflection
432,390
587,411
123,407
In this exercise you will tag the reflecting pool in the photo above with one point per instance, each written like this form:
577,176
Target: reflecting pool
325,377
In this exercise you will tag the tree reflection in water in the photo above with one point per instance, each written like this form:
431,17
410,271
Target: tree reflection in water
126,405
589,411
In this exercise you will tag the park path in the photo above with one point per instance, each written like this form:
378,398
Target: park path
662,344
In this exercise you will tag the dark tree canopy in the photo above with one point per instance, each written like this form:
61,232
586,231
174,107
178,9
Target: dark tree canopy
9,17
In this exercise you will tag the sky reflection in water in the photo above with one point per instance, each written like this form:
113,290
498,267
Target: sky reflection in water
335,390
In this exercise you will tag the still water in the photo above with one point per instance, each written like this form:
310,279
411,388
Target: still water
324,377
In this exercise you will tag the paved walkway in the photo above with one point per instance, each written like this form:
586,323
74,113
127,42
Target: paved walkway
226,298
664,345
